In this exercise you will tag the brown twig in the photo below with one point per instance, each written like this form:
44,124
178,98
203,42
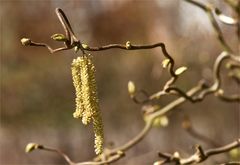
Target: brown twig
231,163
62,154
199,156
71,40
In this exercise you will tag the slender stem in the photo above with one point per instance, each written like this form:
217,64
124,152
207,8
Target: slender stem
201,137
136,139
210,10
225,148
58,152
199,156
175,103
137,47
113,158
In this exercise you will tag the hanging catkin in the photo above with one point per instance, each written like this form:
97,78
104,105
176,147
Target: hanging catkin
87,105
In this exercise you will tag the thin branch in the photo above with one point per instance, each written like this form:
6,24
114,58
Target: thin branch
62,154
112,159
199,156
187,125
231,98
129,46
223,149
66,24
231,163
71,39
210,12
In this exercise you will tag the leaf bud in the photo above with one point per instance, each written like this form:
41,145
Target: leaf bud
32,146
26,41
59,37
131,88
128,45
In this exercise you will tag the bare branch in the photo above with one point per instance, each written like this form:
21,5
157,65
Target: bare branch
62,154
231,163
199,156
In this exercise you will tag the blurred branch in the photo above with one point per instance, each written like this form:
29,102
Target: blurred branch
187,125
231,163
33,146
210,10
112,159
199,156
231,98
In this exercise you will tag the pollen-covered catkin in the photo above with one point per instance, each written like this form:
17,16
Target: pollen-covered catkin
87,104
76,76
98,132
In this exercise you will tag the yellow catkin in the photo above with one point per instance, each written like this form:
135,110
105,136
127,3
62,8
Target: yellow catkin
98,131
86,87
76,75
87,104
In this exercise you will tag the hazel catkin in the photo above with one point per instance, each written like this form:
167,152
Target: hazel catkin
87,104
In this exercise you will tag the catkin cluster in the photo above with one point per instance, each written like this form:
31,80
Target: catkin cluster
87,105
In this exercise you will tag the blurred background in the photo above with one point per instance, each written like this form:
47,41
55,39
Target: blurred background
37,95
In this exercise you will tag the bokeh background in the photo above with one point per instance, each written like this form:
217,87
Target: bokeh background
37,95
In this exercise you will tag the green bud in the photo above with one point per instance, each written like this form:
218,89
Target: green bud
59,37
85,46
235,153
161,121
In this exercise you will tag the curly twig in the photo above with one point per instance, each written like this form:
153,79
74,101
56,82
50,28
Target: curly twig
215,87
